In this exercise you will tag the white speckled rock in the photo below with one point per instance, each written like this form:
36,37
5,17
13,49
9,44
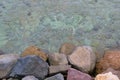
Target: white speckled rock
106,76
83,58
30,78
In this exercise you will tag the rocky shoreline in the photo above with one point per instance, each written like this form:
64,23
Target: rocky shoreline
71,63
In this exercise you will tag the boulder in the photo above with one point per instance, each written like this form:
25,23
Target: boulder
58,69
7,62
33,50
106,76
110,59
30,78
56,77
30,65
57,59
67,48
83,58
74,74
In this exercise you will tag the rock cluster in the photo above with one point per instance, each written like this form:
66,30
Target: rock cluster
76,63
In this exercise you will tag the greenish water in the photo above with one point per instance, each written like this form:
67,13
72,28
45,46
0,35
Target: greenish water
49,23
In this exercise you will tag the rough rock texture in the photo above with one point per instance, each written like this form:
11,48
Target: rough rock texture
30,65
56,77
83,58
7,62
30,78
33,50
57,59
74,74
59,68
110,59
115,72
106,76
67,48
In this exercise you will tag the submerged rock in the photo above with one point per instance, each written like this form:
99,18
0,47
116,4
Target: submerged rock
106,76
83,58
30,78
7,62
33,50
74,74
110,59
1,52
56,77
67,48
30,65
58,59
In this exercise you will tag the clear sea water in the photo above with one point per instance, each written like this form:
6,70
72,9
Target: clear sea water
50,23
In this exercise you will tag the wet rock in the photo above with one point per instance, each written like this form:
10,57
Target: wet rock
33,50
67,48
30,78
57,59
110,59
115,72
56,77
83,58
74,74
30,65
106,76
58,68
7,62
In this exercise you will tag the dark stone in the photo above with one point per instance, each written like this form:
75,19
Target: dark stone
1,52
30,65
56,77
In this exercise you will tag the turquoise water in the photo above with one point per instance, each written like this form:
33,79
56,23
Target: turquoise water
49,23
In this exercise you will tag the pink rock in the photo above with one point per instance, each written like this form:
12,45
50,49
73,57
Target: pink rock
74,74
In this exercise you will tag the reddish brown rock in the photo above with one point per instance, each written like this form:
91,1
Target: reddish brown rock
115,72
74,74
67,48
59,68
110,59
33,50
57,59
83,58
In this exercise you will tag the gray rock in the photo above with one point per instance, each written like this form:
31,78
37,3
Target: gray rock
7,62
30,65
59,68
56,77
57,59
30,78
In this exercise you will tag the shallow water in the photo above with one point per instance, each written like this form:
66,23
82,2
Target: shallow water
49,23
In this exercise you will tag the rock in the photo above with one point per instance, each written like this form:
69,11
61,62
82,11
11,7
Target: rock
30,78
106,76
83,58
30,65
74,74
58,68
56,77
110,59
67,48
115,72
7,62
57,59
1,52
33,50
